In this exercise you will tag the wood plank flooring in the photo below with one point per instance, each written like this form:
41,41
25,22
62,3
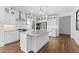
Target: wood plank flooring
11,48
62,44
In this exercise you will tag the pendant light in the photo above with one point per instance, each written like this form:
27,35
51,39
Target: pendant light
43,11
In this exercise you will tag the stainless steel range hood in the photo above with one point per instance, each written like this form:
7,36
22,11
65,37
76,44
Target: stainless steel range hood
20,17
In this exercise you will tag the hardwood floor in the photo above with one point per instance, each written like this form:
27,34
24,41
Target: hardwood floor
11,48
62,44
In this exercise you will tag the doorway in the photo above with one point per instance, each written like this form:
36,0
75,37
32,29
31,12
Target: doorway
65,26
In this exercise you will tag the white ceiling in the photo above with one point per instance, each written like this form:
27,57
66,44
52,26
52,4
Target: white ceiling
50,9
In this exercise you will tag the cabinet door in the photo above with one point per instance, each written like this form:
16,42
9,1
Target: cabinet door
12,16
52,33
11,36
23,16
7,15
23,42
29,43
1,38
2,16
51,27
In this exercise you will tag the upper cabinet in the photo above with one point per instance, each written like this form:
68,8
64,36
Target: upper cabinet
9,15
2,19
12,16
23,16
6,15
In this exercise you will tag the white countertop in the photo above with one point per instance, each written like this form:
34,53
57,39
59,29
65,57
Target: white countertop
36,33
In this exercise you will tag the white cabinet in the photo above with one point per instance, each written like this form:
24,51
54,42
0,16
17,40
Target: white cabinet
11,36
16,14
39,41
25,42
52,33
12,16
23,15
31,42
6,15
2,16
9,15
1,38
52,26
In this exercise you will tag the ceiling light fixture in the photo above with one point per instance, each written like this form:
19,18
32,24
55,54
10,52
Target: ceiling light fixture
43,11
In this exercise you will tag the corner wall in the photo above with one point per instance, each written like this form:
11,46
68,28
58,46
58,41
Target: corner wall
74,32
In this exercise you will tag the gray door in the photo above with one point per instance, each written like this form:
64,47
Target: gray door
65,25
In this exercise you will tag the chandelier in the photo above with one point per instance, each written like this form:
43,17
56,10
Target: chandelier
43,11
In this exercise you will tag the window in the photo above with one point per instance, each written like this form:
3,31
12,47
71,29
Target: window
77,20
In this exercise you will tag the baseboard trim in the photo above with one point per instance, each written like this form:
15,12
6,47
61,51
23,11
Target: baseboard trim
64,34
43,47
12,42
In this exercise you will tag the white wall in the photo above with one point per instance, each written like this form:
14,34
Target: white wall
57,23
20,24
74,32
65,25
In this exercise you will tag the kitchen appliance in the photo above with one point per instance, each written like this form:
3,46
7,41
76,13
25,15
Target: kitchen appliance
37,26
20,17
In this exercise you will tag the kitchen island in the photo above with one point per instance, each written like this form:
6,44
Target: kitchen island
33,40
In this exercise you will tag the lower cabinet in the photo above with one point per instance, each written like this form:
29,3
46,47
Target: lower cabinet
23,42
11,36
52,33
1,38
29,43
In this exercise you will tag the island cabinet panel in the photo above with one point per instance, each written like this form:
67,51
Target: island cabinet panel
25,42
38,42
29,43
